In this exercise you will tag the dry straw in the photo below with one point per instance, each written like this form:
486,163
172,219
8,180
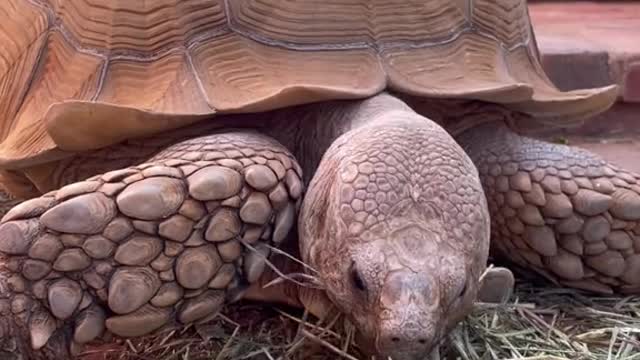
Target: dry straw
539,322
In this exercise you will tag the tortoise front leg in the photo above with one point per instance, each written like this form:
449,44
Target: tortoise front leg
561,211
135,249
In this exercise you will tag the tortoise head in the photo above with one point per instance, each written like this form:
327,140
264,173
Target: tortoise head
402,259
403,285
405,282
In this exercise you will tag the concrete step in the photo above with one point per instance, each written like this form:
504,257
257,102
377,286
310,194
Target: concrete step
590,43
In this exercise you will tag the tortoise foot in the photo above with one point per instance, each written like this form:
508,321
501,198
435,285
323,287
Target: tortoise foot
563,212
135,249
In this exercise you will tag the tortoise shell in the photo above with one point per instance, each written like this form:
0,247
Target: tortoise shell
83,74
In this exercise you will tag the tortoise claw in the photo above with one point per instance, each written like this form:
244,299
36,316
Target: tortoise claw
496,285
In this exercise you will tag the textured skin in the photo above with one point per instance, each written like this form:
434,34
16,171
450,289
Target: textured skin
560,211
403,204
139,248
69,83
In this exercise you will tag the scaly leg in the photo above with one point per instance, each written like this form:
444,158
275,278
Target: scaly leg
133,250
561,211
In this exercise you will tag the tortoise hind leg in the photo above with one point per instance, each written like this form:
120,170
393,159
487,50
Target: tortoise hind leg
134,249
563,212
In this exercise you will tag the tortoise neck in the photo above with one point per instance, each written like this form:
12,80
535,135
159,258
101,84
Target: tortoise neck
460,115
309,130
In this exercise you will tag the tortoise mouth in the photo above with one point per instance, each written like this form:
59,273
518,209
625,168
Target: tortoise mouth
399,346
400,351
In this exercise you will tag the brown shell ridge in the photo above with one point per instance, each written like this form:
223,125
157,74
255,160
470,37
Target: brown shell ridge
190,58
221,30
507,93
73,123
373,44
466,27
39,42
129,54
516,92
574,110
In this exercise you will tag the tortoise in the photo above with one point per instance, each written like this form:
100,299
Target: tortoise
162,152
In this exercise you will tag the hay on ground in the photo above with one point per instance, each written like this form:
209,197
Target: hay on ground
539,322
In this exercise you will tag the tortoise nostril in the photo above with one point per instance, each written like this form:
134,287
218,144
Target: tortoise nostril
422,341
395,339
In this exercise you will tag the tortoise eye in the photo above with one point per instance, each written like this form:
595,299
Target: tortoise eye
463,290
358,282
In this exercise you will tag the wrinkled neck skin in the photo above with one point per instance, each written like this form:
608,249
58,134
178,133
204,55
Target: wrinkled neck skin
309,130
395,222
460,115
